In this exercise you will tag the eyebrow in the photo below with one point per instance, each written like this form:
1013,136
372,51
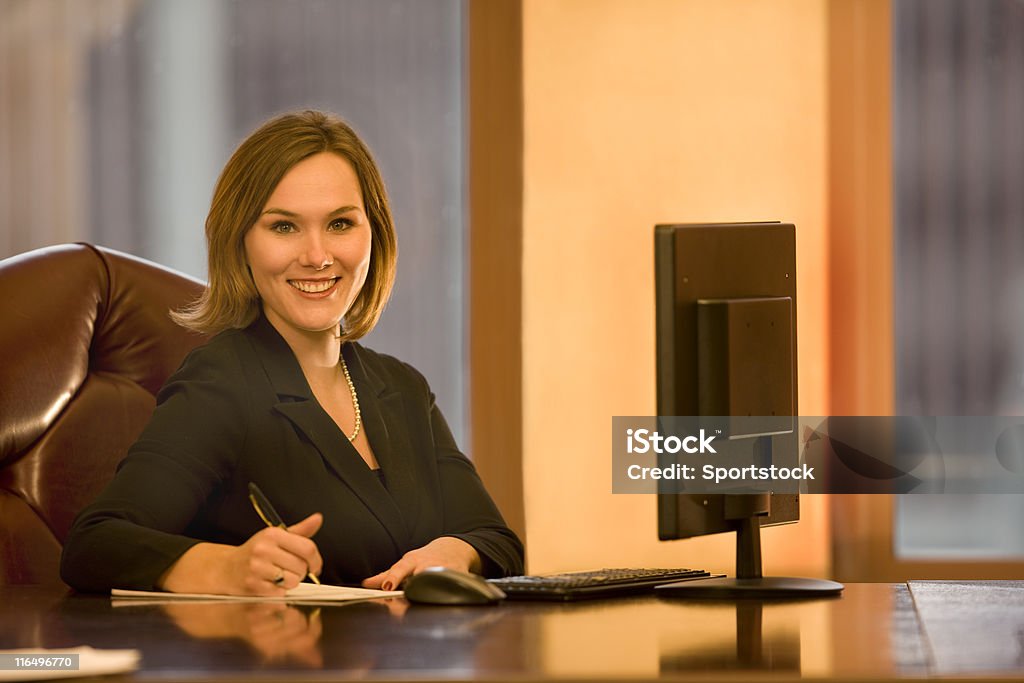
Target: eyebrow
291,214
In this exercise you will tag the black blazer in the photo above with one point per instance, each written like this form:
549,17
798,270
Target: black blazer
238,410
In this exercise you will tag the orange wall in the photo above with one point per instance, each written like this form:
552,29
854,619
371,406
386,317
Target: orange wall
860,198
637,113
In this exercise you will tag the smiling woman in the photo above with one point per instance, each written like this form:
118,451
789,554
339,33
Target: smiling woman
268,170
311,245
347,443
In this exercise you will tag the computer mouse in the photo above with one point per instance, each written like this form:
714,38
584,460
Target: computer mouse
442,586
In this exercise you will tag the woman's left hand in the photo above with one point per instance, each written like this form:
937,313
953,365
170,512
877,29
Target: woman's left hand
446,551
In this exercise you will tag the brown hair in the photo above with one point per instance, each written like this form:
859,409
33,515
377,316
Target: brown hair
245,185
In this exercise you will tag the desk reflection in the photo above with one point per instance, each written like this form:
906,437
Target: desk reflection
747,647
282,633
652,637
361,637
276,632
870,632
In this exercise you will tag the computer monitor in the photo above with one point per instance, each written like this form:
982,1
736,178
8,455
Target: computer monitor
726,346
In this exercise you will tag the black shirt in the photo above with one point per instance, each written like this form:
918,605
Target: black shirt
238,410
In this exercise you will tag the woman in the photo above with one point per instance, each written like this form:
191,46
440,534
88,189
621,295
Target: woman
346,443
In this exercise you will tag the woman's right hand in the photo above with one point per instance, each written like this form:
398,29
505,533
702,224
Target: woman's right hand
251,568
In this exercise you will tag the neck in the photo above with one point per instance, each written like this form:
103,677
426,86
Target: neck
316,352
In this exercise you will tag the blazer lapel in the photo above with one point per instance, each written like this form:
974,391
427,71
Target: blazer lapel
383,411
297,403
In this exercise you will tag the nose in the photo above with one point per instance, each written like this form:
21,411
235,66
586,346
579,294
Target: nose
314,253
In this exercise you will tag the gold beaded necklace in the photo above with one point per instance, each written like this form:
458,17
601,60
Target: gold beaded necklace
355,399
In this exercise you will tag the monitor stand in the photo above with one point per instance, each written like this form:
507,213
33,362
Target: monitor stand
748,582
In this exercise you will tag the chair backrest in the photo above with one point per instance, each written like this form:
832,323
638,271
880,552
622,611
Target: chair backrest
85,344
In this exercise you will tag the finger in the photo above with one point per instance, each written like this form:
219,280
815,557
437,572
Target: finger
263,586
278,582
288,562
398,572
271,549
267,578
386,580
263,574
262,569
374,581
301,547
309,526
288,579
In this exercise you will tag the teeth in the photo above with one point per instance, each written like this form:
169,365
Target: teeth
313,287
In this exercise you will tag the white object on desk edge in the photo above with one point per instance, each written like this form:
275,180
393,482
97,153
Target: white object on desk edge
91,662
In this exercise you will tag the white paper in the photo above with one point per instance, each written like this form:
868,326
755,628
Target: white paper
91,662
304,592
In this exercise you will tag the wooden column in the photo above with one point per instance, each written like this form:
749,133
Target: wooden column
496,250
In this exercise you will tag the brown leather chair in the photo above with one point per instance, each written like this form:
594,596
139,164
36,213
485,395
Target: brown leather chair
85,344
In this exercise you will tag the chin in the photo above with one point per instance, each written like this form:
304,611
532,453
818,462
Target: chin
314,323
319,326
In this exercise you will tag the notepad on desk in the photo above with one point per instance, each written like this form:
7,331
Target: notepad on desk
304,592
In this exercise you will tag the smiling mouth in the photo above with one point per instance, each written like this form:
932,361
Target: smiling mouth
313,286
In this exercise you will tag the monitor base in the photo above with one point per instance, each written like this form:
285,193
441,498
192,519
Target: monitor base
765,588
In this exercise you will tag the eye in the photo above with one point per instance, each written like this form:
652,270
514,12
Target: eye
340,224
282,227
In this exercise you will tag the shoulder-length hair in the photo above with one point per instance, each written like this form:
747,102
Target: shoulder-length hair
245,185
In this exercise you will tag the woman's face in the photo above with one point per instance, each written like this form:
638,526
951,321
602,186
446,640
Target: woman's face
309,251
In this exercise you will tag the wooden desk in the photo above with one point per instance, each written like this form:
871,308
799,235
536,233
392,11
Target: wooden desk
874,631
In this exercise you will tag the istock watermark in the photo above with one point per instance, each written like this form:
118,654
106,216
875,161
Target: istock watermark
815,454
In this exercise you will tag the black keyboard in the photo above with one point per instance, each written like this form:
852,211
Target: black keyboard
600,583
